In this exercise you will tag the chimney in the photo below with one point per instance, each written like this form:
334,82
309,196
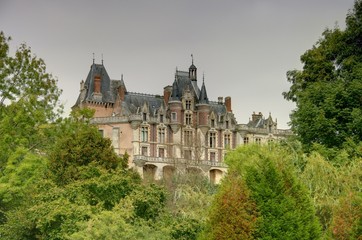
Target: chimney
97,84
121,92
220,100
256,116
167,93
228,104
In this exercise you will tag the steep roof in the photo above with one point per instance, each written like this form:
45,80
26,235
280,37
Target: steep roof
108,96
203,95
133,103
183,81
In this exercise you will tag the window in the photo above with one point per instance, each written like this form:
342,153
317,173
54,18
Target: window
144,117
188,119
101,132
227,140
161,118
173,116
161,135
212,156
188,105
144,134
212,139
227,124
188,137
161,152
187,154
115,138
144,151
258,140
212,123
246,140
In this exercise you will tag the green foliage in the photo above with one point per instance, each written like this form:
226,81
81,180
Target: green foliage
55,211
29,98
233,214
81,145
347,218
327,182
285,208
328,91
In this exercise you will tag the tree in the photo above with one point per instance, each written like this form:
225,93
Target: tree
79,145
29,99
233,214
328,91
283,203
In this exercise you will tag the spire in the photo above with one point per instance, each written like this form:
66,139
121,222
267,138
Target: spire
193,70
203,95
93,58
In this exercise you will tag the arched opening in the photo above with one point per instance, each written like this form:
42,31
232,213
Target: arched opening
215,176
149,172
168,173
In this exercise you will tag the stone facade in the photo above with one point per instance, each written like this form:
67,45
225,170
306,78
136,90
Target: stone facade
179,131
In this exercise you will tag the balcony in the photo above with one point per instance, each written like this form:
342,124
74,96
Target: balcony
175,161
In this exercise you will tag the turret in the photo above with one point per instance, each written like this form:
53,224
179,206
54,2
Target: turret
175,107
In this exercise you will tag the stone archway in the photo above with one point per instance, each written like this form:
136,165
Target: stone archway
216,175
149,172
168,172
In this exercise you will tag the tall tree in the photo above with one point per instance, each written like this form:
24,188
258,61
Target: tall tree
29,99
283,203
233,214
328,91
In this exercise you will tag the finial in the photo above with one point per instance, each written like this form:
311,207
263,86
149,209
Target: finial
122,77
93,58
102,58
203,77
192,57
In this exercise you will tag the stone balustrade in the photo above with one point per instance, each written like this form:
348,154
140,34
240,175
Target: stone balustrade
141,158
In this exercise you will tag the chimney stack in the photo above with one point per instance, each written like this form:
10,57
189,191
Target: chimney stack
167,93
228,104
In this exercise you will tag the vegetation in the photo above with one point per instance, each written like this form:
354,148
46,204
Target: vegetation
328,91
59,179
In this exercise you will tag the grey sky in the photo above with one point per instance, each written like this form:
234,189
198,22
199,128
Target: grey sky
244,47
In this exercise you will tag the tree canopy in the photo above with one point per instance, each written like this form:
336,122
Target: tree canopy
29,99
328,91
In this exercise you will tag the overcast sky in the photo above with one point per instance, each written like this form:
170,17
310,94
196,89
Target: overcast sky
243,47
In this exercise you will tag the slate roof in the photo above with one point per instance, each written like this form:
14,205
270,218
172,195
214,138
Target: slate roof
182,82
107,88
203,95
261,122
133,103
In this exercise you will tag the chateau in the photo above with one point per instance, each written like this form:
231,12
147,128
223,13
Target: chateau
180,130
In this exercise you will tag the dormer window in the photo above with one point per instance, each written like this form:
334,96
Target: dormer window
188,105
212,123
161,118
227,124
144,117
